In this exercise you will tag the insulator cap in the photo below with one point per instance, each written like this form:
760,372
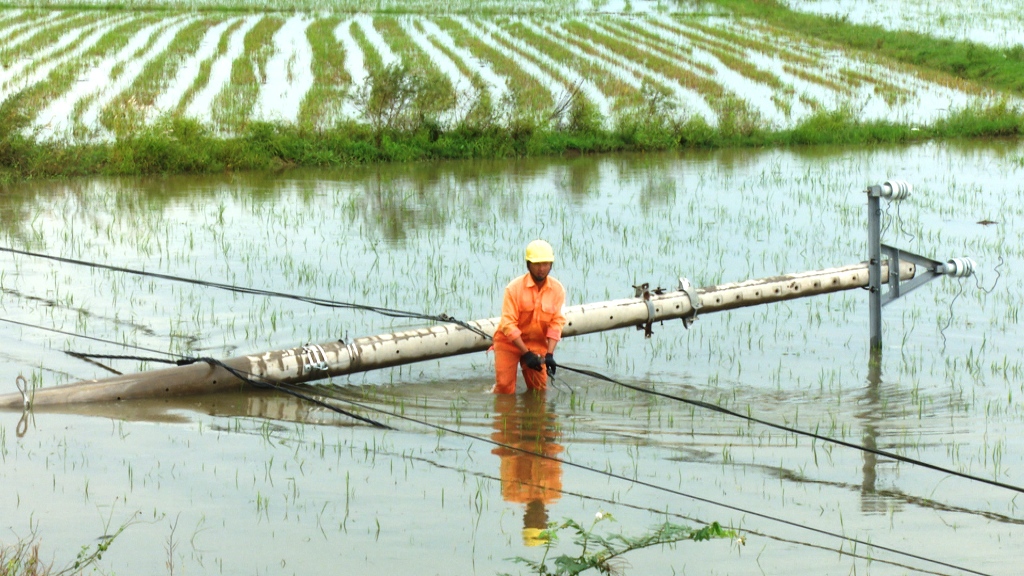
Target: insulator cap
896,189
958,267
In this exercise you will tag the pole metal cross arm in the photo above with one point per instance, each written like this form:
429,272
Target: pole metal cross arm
896,190
927,268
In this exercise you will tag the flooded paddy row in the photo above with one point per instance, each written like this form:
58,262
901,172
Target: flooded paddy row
993,22
260,483
315,70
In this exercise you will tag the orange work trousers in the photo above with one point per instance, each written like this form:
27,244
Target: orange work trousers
506,361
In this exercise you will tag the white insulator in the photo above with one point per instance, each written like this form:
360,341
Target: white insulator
958,267
896,189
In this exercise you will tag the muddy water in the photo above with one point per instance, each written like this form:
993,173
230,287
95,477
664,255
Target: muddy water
258,483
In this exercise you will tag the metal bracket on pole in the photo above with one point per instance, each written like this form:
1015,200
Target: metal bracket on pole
695,303
927,269
643,291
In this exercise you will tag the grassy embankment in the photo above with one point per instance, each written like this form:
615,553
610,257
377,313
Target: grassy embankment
177,144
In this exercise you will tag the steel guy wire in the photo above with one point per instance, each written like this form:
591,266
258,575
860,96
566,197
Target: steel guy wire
83,336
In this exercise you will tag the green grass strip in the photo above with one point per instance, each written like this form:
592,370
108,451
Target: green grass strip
45,35
62,78
482,112
996,68
232,107
34,22
321,105
203,78
623,95
126,112
176,145
527,93
372,60
653,53
732,57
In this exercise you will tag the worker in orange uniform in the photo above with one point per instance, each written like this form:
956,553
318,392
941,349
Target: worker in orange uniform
531,324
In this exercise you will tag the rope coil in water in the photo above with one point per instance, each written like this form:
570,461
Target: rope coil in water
22,385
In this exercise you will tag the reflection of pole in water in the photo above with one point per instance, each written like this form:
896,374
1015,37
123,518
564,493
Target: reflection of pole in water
871,395
870,501
525,425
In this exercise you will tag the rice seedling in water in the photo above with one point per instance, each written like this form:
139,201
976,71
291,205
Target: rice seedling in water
525,93
664,61
571,87
436,92
55,92
128,111
630,73
233,105
622,94
35,30
321,106
484,94
48,48
197,98
86,112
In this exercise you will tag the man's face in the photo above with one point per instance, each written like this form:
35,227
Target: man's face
539,271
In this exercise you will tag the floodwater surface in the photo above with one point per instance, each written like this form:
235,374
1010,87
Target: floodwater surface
261,483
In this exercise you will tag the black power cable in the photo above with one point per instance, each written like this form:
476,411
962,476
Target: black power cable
445,318
186,360
264,383
656,487
390,312
726,411
293,390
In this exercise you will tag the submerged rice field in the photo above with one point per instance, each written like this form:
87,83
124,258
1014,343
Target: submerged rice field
80,76
992,22
263,483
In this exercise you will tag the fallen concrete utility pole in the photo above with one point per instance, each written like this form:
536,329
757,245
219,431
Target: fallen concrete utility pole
318,361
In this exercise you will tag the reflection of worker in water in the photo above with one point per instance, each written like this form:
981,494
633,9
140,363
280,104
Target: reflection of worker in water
527,428
531,324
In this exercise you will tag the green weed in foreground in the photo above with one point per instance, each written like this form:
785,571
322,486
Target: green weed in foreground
22,557
605,554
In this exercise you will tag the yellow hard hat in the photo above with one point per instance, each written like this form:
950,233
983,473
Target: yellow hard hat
534,537
539,251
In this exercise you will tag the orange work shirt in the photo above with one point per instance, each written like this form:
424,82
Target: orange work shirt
531,312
